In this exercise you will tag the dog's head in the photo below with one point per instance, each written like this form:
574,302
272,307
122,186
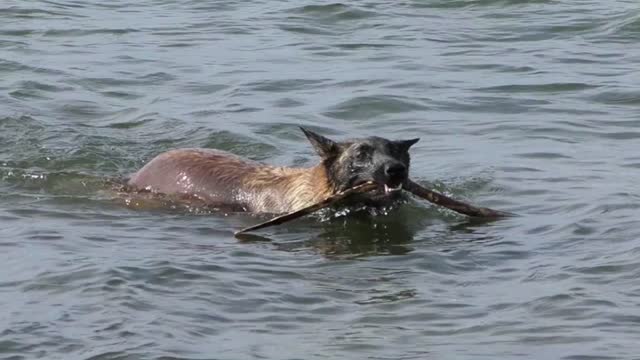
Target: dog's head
353,162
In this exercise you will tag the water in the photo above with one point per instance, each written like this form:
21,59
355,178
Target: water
525,106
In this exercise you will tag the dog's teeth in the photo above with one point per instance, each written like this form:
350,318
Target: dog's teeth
388,190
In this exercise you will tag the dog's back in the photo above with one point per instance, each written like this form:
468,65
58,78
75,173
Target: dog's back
220,178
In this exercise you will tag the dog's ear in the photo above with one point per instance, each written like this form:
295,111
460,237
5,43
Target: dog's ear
406,144
325,147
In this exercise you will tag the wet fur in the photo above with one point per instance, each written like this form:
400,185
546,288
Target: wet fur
223,179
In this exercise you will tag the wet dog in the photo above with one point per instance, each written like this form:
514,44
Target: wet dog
218,178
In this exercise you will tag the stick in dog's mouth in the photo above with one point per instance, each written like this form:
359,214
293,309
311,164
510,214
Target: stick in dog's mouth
411,186
386,189
452,204
358,189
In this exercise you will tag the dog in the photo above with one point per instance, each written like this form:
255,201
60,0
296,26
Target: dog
219,178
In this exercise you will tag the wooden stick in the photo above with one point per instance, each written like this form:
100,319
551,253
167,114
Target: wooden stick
449,203
410,186
366,187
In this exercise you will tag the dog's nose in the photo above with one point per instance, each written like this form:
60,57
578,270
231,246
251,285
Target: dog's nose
396,170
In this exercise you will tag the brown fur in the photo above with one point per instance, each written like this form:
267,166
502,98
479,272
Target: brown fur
224,180
220,178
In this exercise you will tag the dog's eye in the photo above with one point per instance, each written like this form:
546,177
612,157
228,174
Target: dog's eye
363,152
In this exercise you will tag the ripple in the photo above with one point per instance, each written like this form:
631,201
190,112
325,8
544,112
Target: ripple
301,29
205,88
83,32
543,155
623,29
507,68
23,12
357,46
617,98
372,106
12,66
239,144
140,80
477,3
334,12
285,85
588,357
9,44
554,87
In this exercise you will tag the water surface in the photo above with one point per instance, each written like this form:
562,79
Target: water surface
530,106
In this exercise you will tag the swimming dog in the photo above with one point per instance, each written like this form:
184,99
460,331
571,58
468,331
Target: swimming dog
219,178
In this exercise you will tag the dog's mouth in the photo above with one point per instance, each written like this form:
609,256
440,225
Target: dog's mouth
385,189
390,189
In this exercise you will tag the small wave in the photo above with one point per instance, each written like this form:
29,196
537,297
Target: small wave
454,4
204,88
368,107
334,12
131,124
549,88
542,155
631,98
35,13
84,32
624,28
14,66
124,95
286,85
309,30
36,90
